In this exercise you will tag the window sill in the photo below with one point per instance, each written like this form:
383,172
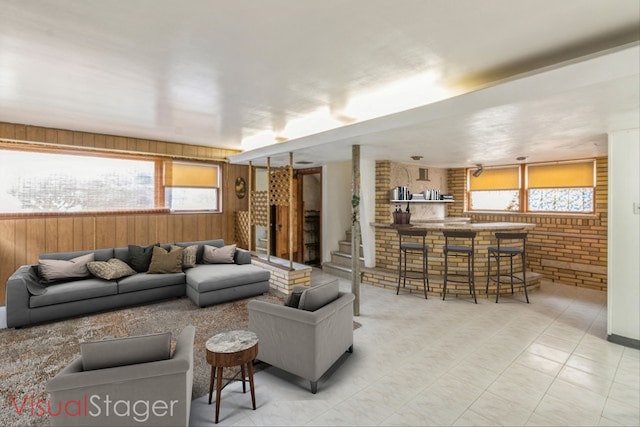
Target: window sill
84,213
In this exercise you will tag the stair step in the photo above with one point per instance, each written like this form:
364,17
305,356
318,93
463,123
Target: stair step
337,270
344,259
345,246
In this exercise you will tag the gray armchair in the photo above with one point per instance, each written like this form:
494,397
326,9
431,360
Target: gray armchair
155,393
308,340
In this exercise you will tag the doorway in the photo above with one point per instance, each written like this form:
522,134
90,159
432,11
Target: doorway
309,218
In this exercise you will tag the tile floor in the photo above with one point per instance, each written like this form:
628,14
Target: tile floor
434,362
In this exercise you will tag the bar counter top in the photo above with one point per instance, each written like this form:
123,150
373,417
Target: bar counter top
461,225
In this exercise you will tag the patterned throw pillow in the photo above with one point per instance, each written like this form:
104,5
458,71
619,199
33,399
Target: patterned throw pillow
166,262
223,255
109,270
188,255
52,270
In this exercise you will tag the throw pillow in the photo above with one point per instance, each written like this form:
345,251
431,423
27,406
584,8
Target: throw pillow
140,256
223,255
189,255
318,296
125,351
166,262
52,270
109,270
293,300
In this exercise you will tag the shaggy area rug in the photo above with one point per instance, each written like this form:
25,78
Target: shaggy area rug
29,357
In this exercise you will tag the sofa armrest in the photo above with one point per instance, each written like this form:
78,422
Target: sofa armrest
242,256
17,296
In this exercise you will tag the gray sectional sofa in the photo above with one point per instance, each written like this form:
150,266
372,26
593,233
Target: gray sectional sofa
28,301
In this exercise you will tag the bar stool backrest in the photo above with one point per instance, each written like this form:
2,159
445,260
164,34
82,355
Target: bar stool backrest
419,232
460,234
511,236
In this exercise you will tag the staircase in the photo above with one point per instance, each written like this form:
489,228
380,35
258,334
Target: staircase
340,264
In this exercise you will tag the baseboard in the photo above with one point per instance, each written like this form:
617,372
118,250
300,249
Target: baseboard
627,342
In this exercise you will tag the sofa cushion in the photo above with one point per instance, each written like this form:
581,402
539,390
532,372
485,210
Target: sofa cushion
206,278
318,296
223,255
189,255
218,243
139,257
163,261
109,270
110,353
74,291
52,270
142,281
293,300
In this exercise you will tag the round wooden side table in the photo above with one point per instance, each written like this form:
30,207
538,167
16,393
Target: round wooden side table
228,349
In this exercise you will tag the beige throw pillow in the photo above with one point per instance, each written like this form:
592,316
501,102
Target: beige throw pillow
223,255
52,270
109,270
165,262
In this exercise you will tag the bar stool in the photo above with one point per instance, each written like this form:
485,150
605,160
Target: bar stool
406,247
502,251
460,251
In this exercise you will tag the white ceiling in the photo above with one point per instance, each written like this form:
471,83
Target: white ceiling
213,72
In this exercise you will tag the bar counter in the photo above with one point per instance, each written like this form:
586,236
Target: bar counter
385,273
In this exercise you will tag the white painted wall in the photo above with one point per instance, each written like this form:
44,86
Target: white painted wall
336,206
624,235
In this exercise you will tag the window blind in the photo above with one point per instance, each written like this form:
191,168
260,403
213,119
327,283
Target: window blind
495,179
177,174
561,175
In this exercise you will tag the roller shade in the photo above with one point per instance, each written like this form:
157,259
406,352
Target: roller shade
190,175
496,179
574,174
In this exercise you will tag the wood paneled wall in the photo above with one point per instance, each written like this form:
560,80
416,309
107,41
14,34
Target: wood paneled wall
22,239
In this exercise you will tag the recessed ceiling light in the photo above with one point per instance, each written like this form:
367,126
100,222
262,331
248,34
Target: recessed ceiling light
416,157
521,158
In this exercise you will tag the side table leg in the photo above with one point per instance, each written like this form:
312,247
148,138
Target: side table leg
253,390
213,375
218,392
244,375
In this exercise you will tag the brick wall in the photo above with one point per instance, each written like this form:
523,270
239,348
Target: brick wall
570,249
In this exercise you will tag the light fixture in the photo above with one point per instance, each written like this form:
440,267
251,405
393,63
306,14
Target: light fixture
416,157
521,158
478,171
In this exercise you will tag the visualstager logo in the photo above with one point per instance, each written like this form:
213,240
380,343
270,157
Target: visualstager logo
94,406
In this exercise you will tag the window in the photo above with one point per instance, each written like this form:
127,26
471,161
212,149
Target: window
191,186
567,187
496,189
32,182
51,182
561,187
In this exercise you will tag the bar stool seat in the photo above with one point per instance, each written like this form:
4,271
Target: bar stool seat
501,251
457,250
405,247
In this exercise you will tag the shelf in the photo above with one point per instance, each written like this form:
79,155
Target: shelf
421,201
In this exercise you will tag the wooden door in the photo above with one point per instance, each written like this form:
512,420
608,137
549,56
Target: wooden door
281,227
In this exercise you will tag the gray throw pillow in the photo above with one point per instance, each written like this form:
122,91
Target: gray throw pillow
140,256
223,255
189,255
109,270
318,296
125,351
293,300
52,270
166,262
